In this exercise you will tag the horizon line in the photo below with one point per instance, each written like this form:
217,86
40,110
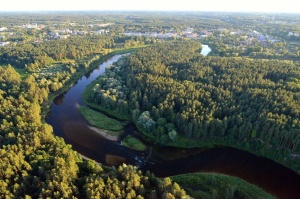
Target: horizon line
215,11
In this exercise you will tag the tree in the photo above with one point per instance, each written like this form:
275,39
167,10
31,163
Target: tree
172,135
146,121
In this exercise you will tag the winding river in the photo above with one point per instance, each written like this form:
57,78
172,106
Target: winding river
71,126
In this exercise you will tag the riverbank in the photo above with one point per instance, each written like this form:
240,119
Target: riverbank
99,120
133,143
212,185
182,139
94,146
112,113
259,149
113,136
45,107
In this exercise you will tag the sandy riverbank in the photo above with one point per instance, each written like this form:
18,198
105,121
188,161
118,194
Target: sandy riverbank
103,133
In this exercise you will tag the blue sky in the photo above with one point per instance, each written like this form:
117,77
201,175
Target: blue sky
285,6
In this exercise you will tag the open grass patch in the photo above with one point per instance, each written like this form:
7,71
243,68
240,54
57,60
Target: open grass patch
133,143
22,71
211,185
99,120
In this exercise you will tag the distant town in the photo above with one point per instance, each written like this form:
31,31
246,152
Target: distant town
248,36
229,41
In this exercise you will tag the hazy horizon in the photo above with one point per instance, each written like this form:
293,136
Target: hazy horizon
267,6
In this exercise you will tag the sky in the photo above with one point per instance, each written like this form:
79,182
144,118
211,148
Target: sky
282,6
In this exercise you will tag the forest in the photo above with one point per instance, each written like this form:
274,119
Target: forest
178,97
34,162
174,95
37,164
34,56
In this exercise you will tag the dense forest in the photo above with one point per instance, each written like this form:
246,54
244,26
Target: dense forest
37,164
34,56
178,97
34,162
173,94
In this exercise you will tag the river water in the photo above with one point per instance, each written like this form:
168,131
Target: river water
71,126
205,50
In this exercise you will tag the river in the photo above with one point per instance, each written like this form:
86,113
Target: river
205,50
71,126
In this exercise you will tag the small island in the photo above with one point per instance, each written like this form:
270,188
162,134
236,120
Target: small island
107,127
133,143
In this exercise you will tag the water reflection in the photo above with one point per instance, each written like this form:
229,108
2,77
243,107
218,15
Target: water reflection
205,50
68,123
59,99
114,160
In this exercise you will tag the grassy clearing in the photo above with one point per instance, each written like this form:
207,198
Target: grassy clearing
99,120
22,72
133,143
211,185
100,108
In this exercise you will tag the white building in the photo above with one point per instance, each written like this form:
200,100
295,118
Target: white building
104,24
30,26
2,29
293,34
188,30
64,31
133,34
63,36
77,32
4,43
100,32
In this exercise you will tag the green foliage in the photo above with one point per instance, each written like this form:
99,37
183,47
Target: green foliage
23,73
99,120
36,56
133,143
37,164
128,182
146,121
172,135
210,185
135,115
241,102
237,101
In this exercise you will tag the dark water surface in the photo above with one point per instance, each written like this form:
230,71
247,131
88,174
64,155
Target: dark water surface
70,125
